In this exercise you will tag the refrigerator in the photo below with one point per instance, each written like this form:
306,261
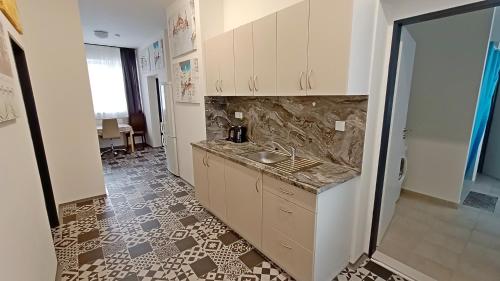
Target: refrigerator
168,136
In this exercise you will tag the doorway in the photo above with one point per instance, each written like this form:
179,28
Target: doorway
36,134
398,156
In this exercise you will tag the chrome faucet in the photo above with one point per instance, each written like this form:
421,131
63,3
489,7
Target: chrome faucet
292,153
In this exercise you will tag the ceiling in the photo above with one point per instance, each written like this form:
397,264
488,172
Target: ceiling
135,20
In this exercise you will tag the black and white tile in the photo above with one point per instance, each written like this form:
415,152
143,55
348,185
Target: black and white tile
151,228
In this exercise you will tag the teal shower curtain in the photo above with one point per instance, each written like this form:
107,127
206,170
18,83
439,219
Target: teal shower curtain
488,87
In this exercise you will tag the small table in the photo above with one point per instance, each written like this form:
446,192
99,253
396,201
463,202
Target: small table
125,129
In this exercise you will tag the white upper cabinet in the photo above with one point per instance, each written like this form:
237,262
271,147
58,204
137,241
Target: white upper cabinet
226,59
329,46
264,56
301,50
292,34
219,60
243,60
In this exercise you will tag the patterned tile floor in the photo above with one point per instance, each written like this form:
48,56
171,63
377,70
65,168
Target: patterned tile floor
368,271
150,227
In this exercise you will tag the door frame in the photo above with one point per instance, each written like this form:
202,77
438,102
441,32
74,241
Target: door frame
389,99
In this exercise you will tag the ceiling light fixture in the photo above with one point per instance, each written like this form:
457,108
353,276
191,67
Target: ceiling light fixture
101,34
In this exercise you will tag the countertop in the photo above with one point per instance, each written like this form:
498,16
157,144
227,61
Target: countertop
315,180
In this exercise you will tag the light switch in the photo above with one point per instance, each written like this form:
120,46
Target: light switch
238,115
340,126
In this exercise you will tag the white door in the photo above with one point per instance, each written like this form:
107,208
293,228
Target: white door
395,168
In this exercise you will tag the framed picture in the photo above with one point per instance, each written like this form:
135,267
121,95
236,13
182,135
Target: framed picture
144,60
182,29
186,81
156,55
9,8
8,108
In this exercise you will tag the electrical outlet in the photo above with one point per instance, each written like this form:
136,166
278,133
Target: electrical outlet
238,115
340,126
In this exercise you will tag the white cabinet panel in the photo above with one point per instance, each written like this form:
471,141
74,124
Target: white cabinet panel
201,177
212,66
330,25
292,34
216,185
264,51
243,60
244,201
226,63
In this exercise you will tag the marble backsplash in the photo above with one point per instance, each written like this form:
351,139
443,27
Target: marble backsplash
306,123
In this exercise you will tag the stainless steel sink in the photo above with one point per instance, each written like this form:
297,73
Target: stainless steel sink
266,157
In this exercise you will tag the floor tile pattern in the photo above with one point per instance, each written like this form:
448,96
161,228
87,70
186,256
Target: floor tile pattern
368,271
149,228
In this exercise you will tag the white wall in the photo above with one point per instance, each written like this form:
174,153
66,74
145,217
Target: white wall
150,98
56,60
26,249
443,101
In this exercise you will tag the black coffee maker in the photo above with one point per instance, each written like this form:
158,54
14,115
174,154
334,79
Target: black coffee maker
237,134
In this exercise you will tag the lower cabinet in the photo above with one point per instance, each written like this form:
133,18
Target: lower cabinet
200,170
244,201
216,185
308,235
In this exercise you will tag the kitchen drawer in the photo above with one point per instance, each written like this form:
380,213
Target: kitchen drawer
291,193
290,219
295,259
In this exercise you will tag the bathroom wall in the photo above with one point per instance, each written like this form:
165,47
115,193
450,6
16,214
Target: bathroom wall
306,123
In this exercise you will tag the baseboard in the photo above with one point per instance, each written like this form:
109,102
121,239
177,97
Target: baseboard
429,198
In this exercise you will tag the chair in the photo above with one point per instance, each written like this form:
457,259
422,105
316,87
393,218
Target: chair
138,123
111,131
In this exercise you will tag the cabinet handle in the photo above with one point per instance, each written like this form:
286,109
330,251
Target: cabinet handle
250,84
286,211
255,83
220,86
217,86
300,80
208,165
286,192
286,246
309,79
257,184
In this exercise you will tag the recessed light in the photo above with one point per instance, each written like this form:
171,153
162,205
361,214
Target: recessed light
101,34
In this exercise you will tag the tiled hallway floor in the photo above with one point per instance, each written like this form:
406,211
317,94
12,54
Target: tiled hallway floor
150,227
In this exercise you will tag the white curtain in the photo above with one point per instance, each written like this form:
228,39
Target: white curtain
106,82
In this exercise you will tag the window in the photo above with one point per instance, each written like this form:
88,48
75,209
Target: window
106,82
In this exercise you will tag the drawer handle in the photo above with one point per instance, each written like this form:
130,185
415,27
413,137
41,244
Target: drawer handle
286,246
286,192
286,211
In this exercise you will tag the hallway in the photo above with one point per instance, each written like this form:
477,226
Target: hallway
151,228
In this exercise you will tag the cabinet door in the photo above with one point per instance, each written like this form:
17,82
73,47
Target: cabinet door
212,66
244,201
243,60
226,63
264,52
330,26
201,177
292,33
216,185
